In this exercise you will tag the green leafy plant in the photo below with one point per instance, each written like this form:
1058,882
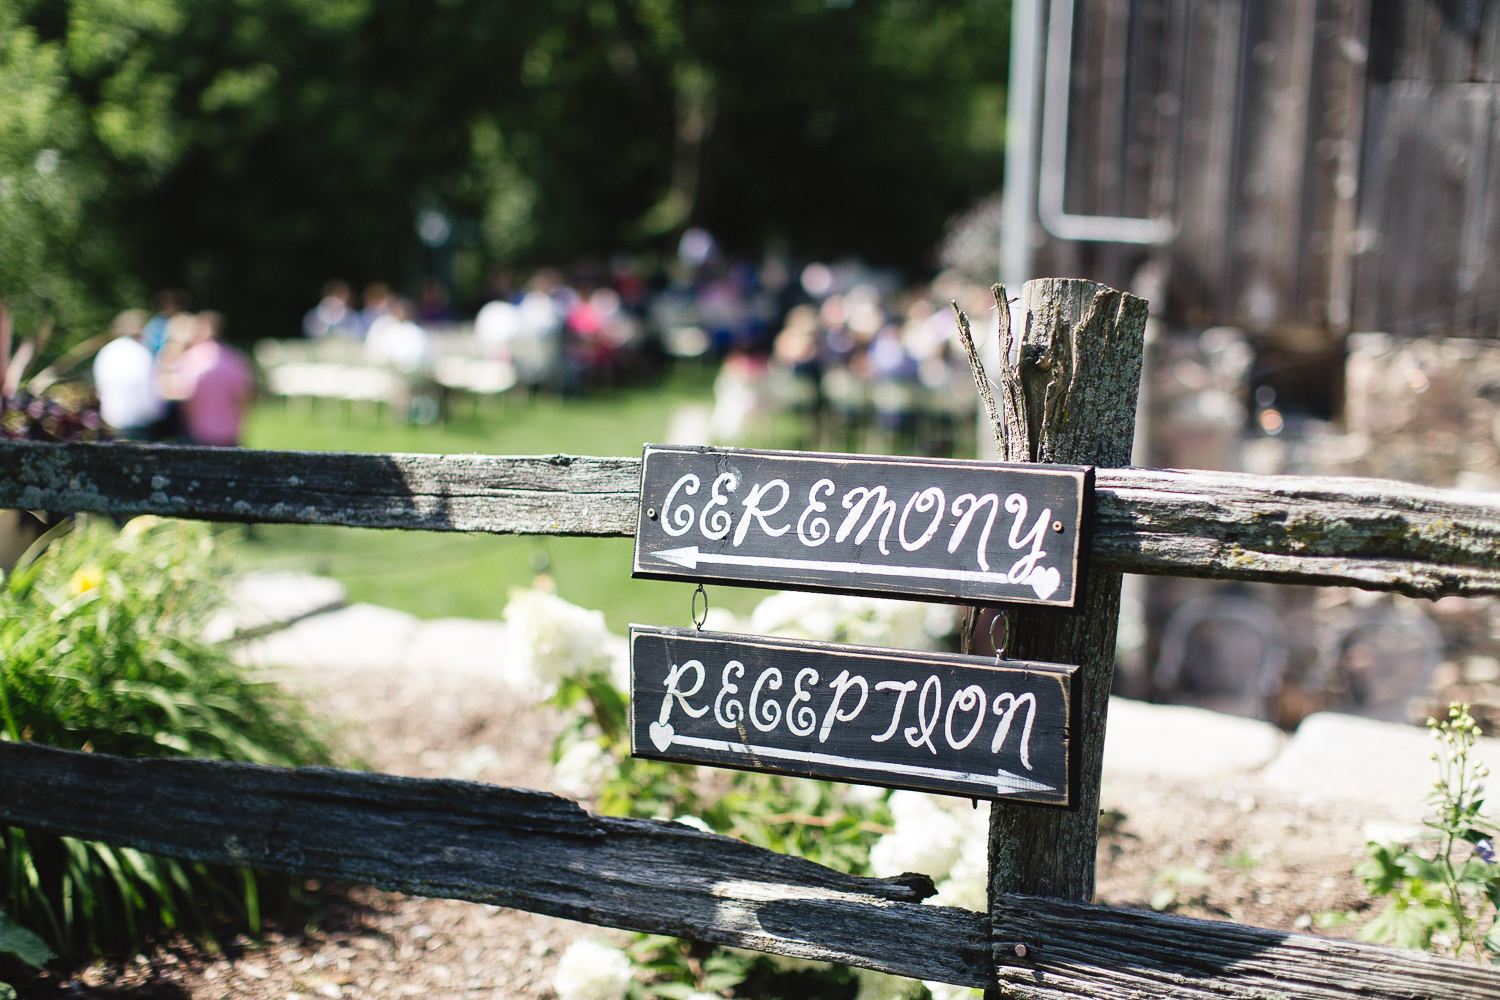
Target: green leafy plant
563,652
1447,896
101,650
813,819
1184,885
17,944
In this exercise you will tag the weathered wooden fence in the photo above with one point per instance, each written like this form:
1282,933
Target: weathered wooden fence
539,852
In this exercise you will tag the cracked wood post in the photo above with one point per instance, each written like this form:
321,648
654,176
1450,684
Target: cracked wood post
1070,399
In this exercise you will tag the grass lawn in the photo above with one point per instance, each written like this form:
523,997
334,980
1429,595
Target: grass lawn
437,574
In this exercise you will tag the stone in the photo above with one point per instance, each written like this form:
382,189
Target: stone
1383,768
264,601
1177,742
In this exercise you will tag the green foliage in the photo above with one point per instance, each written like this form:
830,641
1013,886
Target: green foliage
813,819
1181,886
1448,895
251,149
100,650
433,574
19,945
675,969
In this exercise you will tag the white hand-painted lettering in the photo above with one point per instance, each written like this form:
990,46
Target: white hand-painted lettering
815,532
921,733
855,502
676,522
1012,703
872,512
842,683
958,720
770,711
754,510
967,700
903,688
729,714
965,506
931,499
1016,504
802,720
674,677
715,524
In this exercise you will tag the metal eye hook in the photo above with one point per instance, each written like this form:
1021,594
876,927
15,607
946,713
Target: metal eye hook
1003,620
698,619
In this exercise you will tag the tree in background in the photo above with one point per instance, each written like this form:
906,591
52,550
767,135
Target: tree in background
250,149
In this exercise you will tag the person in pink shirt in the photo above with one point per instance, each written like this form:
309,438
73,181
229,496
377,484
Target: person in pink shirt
215,384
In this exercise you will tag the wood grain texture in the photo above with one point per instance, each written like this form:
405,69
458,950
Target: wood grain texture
534,851
552,495
1078,950
505,846
1080,368
1336,531
1375,534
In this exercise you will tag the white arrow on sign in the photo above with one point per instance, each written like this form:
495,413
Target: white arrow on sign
690,556
1003,781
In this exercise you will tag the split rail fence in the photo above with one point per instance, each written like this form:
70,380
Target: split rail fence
1042,937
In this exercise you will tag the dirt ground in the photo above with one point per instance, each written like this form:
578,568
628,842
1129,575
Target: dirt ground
1218,853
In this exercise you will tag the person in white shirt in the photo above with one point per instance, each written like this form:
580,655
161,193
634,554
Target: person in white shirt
130,401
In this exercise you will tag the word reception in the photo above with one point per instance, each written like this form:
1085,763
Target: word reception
943,529
937,722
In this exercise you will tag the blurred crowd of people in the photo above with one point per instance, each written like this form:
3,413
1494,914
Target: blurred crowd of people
169,376
828,339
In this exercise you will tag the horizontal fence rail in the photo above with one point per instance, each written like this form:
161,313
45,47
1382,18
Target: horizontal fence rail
538,852
1367,533
505,846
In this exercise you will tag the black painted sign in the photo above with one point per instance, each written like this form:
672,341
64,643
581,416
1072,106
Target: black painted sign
940,529
938,722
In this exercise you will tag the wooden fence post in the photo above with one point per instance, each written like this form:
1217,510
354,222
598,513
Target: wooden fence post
1070,399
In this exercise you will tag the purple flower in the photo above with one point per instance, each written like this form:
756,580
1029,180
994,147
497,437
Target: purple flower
1485,850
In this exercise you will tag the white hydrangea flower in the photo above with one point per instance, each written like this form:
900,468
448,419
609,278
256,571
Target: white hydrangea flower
947,991
795,616
723,620
879,621
865,795
617,648
967,884
589,970
927,836
581,768
940,621
551,639
869,621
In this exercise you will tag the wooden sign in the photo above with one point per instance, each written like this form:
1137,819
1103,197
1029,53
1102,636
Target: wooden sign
945,529
937,722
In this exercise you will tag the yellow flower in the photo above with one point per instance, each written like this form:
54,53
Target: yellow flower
84,580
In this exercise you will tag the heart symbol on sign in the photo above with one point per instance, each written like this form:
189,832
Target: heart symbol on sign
661,734
1045,581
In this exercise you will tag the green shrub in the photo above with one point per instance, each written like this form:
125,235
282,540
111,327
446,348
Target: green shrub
1447,896
565,654
101,650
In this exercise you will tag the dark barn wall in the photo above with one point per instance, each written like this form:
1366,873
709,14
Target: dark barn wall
1329,164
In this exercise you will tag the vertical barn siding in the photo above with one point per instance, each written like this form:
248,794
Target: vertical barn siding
1329,164
1203,209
